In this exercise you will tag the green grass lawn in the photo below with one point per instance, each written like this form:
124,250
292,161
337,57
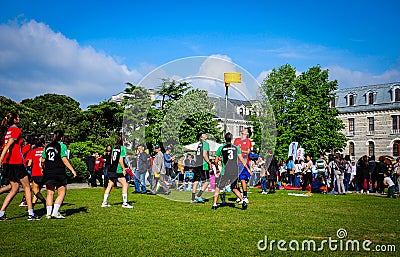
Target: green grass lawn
161,227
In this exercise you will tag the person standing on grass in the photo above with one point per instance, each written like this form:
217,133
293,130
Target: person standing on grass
396,174
35,162
14,169
98,169
201,169
321,165
229,154
307,173
142,165
116,171
390,184
107,163
382,169
54,161
159,173
26,149
272,170
168,163
339,175
245,145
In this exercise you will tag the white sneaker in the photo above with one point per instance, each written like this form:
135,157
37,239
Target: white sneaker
58,216
239,201
105,205
245,199
264,193
127,205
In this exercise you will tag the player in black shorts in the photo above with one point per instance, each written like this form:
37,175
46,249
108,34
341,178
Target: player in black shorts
54,161
201,169
229,154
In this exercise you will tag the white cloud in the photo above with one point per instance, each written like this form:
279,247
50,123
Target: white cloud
263,75
350,78
35,60
215,66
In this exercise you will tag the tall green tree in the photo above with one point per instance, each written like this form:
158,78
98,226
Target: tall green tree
315,123
171,90
136,106
101,122
278,91
181,120
50,112
302,112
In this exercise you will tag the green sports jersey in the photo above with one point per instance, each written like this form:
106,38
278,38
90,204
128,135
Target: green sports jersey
206,147
117,153
63,152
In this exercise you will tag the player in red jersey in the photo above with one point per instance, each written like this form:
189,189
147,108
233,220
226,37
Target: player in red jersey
245,145
35,162
26,149
12,158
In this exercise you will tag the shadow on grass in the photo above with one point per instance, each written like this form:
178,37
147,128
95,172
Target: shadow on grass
69,212
120,203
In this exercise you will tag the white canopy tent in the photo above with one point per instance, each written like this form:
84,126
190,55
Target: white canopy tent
193,147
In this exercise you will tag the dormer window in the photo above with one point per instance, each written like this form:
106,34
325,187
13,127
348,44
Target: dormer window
370,98
350,100
397,95
241,111
395,91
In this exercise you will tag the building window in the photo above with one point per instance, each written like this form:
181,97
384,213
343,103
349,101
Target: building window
397,95
370,98
395,124
332,103
351,149
371,125
351,100
241,111
371,148
351,126
396,148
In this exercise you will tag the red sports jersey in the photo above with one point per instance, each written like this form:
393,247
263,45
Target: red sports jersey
26,149
98,163
245,145
36,156
14,153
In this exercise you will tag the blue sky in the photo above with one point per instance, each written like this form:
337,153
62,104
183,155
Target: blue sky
76,46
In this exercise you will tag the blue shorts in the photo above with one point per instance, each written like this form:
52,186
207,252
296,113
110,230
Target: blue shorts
244,173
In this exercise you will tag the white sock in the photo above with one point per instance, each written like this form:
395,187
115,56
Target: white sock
2,213
30,212
125,198
49,209
105,198
55,209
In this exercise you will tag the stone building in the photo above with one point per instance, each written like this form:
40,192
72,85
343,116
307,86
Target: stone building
237,114
371,118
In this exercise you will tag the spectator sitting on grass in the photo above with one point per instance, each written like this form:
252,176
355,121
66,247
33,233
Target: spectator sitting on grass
318,185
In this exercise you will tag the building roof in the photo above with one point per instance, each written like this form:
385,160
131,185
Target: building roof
383,98
232,110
